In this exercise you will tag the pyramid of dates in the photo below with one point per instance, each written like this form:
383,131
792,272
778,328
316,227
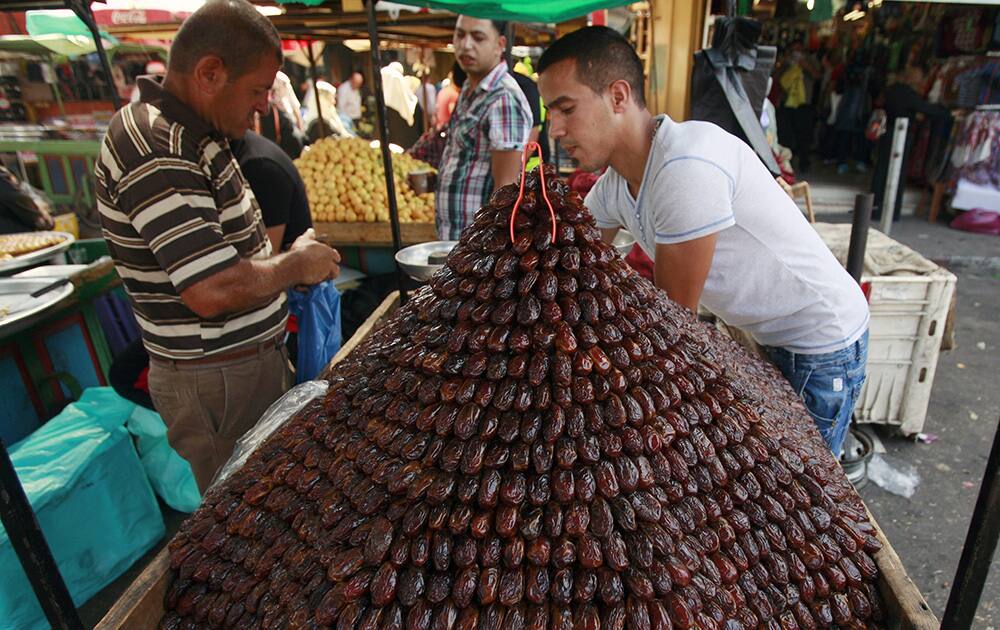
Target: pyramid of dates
538,438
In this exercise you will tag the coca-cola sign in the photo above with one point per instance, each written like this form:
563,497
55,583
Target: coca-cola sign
133,17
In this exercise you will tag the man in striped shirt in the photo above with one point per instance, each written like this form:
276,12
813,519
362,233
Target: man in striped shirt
487,130
187,237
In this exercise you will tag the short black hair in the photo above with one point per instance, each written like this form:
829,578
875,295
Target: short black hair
232,30
501,26
602,56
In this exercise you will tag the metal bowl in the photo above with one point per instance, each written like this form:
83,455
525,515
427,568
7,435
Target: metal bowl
623,242
413,260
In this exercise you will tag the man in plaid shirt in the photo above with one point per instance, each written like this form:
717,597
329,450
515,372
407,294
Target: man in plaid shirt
488,129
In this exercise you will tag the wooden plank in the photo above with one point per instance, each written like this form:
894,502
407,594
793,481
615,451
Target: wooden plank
373,234
141,605
384,310
906,608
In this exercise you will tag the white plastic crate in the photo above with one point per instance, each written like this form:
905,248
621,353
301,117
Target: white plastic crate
910,301
908,316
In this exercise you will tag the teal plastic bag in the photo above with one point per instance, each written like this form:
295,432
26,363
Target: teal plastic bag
318,313
92,499
169,473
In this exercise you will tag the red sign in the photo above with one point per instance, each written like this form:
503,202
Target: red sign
133,17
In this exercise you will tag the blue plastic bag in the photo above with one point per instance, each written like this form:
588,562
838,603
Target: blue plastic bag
318,312
92,499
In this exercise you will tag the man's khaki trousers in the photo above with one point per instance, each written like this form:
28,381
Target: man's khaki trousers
208,406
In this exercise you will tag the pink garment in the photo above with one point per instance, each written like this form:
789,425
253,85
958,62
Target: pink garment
977,220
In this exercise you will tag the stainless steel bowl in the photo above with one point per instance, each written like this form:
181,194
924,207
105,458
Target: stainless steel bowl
623,242
413,259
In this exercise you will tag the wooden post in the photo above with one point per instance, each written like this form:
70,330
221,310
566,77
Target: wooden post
675,35
315,80
383,134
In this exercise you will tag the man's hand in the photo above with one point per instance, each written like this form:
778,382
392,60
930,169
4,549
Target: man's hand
318,261
608,234
681,269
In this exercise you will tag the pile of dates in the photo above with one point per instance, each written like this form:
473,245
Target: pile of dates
537,439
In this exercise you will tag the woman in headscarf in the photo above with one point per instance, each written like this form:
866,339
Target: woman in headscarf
328,105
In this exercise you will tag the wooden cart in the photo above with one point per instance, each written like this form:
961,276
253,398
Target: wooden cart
373,234
141,606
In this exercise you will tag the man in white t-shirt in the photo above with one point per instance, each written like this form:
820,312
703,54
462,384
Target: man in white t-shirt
718,227
349,100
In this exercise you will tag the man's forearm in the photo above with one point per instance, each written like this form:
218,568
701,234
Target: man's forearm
246,284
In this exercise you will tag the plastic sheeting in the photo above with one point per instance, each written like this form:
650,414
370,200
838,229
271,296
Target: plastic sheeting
92,499
276,415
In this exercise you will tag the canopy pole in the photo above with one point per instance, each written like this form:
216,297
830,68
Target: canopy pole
29,543
507,53
383,134
315,79
980,543
56,92
82,10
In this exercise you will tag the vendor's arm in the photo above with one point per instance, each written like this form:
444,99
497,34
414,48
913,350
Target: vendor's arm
170,204
508,124
681,269
252,282
693,203
506,167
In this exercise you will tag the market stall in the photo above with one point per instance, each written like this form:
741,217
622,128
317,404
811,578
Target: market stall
143,604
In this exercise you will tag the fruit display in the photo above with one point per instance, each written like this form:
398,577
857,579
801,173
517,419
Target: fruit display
538,438
13,245
345,181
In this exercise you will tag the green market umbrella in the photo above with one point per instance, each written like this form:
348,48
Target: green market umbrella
546,11
62,32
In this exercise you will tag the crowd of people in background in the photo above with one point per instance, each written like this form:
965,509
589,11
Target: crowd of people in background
840,106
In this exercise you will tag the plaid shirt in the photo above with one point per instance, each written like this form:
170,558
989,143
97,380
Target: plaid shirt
494,116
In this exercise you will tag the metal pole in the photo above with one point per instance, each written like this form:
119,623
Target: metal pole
82,10
315,79
509,36
383,134
553,143
894,175
29,543
859,235
980,543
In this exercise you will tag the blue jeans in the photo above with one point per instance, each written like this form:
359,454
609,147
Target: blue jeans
829,385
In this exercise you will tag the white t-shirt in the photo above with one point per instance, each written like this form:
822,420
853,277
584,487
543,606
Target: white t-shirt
771,275
349,100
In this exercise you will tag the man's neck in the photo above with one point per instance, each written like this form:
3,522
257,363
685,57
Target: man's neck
474,80
630,157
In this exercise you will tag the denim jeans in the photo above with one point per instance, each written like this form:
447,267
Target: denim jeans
829,385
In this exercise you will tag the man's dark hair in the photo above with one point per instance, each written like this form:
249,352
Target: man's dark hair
602,57
232,30
501,26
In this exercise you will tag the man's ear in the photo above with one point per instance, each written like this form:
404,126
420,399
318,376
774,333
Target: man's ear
210,74
621,95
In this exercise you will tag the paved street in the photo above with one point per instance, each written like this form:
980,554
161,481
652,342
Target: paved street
928,530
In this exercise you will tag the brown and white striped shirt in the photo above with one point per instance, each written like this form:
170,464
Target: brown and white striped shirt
175,209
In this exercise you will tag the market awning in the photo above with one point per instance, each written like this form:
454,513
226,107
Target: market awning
62,32
547,11
45,45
